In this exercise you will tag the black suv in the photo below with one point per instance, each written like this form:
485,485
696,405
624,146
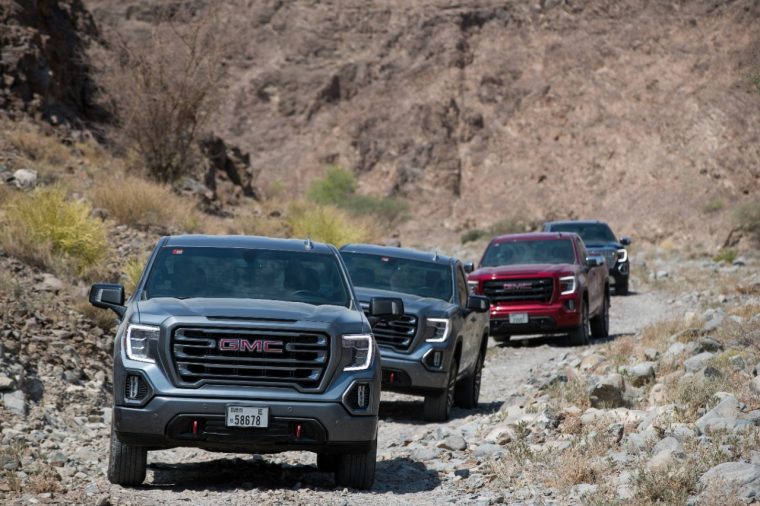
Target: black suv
245,344
599,240
438,346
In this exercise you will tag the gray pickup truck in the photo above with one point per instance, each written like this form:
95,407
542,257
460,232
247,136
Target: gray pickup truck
438,346
245,344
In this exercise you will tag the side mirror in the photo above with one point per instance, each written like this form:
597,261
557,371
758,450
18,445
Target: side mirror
625,241
386,306
478,303
594,260
108,296
469,267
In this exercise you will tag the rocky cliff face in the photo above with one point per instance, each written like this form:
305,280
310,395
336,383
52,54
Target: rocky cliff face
635,112
43,61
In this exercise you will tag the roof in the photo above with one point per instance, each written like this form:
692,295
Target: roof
393,252
574,222
535,236
245,241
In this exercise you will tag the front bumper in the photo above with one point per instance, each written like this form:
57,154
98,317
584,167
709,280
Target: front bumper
416,372
167,422
542,318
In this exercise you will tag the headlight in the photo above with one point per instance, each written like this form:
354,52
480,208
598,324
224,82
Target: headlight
472,286
622,255
137,342
437,330
358,348
566,285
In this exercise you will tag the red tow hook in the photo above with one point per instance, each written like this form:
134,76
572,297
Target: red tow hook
299,431
392,377
195,427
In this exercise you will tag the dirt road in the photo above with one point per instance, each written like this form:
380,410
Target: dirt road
414,466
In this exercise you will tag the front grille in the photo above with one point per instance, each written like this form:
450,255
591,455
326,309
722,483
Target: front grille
290,358
397,332
610,256
519,290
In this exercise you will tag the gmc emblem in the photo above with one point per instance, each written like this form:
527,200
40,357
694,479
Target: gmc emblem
252,345
517,286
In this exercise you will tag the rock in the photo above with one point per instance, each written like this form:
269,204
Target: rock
711,372
710,344
425,454
501,435
639,374
754,385
664,459
698,361
590,362
615,432
489,450
722,417
6,383
57,459
464,473
669,443
675,349
33,388
49,283
608,392
15,401
24,178
713,322
658,395
455,443
651,354
737,477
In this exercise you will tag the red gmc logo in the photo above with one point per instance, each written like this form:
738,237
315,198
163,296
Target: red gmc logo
252,345
516,286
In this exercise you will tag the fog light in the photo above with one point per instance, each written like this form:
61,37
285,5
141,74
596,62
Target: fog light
135,388
437,359
362,396
570,304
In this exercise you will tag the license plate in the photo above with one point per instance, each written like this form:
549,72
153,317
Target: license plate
247,416
518,318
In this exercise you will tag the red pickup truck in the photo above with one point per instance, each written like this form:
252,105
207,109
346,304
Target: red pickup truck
544,283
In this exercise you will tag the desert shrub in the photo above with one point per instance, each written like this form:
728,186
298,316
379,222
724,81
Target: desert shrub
727,255
338,188
139,203
164,90
512,225
36,146
712,206
46,230
671,485
747,217
132,271
327,224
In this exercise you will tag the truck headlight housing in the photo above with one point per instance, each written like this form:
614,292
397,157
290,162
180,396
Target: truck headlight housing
137,342
437,329
358,349
472,286
567,285
622,255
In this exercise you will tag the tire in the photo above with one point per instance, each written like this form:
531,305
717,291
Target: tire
468,390
127,464
327,463
356,470
621,288
600,325
437,407
579,336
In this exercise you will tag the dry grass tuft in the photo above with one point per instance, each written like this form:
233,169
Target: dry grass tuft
46,480
139,203
328,224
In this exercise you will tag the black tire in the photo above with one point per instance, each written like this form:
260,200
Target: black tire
356,470
579,336
621,287
437,407
468,390
327,463
127,464
600,324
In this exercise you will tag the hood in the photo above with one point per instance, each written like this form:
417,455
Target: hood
598,246
522,270
413,304
160,308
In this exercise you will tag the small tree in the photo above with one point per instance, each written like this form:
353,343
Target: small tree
164,91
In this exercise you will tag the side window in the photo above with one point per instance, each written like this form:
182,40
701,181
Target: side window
582,252
461,286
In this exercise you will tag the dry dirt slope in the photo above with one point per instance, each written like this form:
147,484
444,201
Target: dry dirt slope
636,112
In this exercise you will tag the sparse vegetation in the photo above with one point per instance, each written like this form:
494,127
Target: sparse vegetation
712,206
338,188
747,217
514,225
46,230
727,256
327,224
132,271
139,203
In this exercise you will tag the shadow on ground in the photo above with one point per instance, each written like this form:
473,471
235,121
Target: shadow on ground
397,475
411,411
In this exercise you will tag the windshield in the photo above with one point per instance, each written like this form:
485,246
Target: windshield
589,232
242,273
552,251
424,279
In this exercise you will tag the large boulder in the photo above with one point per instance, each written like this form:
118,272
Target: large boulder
698,361
735,477
608,392
724,416
639,374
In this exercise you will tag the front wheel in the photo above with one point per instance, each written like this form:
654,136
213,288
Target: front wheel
437,406
600,324
356,470
468,390
579,336
127,464
327,463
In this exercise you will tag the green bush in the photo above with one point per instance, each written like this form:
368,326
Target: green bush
338,188
46,230
747,217
725,255
712,206
327,224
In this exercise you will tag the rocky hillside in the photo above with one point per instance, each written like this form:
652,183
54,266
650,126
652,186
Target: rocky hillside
634,112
